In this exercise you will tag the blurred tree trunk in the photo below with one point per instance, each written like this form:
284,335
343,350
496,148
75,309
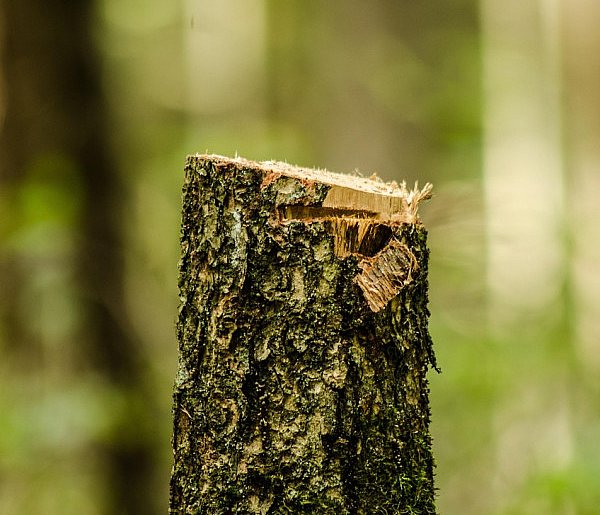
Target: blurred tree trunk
580,20
522,160
55,119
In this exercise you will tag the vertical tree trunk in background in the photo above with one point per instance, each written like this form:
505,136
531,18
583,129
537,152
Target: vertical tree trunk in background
304,344
581,39
522,160
54,112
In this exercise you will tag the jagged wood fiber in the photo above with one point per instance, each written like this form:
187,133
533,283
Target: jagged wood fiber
293,395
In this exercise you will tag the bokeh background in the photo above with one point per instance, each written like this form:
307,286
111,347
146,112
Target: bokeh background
497,102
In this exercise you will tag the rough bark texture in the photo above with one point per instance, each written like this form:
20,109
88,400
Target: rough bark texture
294,395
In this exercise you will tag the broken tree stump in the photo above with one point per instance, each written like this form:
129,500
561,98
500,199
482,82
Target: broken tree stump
303,344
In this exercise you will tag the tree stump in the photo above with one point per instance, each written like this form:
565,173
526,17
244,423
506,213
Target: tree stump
303,344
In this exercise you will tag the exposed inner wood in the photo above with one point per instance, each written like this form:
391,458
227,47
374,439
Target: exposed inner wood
356,236
383,276
400,203
311,212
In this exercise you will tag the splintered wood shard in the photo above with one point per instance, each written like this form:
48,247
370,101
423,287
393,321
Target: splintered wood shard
384,275
393,202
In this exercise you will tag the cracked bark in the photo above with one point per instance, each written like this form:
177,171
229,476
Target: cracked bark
304,344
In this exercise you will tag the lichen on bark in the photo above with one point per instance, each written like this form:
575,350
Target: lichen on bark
292,394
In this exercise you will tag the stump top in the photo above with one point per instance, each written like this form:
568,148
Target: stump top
366,197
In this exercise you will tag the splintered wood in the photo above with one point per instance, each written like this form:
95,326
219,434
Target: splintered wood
359,213
383,276
392,202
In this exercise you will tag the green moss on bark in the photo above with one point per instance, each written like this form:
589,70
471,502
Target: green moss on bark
292,396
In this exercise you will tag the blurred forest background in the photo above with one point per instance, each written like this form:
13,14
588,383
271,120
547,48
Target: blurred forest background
497,102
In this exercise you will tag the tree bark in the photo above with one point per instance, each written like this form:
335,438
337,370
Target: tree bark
304,344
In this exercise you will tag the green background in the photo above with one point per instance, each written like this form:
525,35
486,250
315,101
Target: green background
497,103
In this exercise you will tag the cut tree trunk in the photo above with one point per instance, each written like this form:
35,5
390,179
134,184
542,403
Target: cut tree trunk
304,344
